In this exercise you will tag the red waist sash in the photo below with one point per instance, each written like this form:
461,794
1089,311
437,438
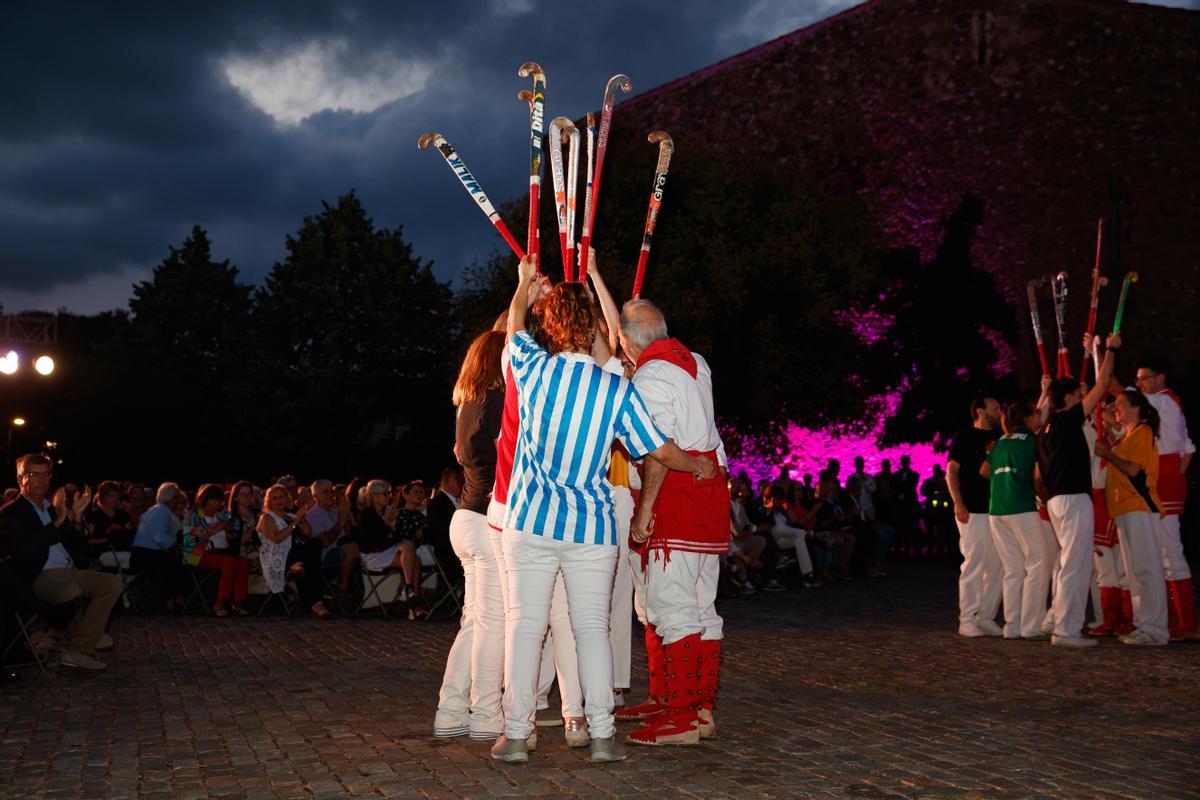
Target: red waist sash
1172,484
1106,529
692,515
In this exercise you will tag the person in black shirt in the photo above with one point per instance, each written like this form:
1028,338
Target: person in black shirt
109,527
979,581
469,702
1064,469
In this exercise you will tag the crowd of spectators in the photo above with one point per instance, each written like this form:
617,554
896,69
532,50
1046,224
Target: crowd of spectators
307,544
832,529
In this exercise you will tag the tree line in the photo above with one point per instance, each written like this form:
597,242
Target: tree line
341,361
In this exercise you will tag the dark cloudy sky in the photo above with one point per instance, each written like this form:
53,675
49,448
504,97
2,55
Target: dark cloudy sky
125,124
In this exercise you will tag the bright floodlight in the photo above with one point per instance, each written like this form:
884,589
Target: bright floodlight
18,421
44,365
8,364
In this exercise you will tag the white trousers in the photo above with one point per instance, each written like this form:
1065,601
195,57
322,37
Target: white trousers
1110,570
1074,520
1141,555
681,595
1028,562
534,563
1175,565
620,612
474,673
796,538
569,690
979,578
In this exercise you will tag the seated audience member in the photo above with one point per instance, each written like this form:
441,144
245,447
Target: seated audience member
383,543
350,506
136,503
830,525
109,527
289,483
437,528
156,546
48,549
206,544
871,540
788,536
322,524
752,531
275,529
241,519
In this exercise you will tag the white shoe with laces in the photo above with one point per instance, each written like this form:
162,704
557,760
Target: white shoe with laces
1073,641
989,628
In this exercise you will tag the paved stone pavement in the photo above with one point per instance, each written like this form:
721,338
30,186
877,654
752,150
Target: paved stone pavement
854,690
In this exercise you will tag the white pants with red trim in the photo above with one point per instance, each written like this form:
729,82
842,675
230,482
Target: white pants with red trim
979,579
681,595
1074,521
1110,571
475,667
786,536
1028,561
534,563
620,612
1175,565
1141,554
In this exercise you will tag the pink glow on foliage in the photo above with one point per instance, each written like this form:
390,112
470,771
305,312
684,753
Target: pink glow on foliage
1006,357
810,450
868,325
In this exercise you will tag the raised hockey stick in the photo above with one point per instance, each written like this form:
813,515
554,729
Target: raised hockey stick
615,83
471,185
1058,290
559,126
1031,294
537,113
1130,279
586,234
1098,280
571,135
666,146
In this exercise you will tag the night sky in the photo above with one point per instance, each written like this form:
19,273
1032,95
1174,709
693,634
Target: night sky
125,125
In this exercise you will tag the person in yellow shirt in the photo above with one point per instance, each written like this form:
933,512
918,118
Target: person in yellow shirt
1131,494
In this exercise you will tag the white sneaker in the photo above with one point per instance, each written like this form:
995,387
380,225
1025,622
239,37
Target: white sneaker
105,642
1140,638
971,631
1073,641
512,751
989,628
575,731
82,661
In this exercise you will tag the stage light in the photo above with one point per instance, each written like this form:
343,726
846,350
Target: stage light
18,421
44,365
10,362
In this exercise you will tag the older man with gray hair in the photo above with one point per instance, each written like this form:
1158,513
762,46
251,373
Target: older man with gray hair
684,521
155,545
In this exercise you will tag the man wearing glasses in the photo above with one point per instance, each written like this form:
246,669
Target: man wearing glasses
1175,451
44,538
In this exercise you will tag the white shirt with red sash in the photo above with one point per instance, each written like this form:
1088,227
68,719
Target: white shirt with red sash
690,515
1173,443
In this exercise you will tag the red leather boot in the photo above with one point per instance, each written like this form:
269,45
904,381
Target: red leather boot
658,692
679,724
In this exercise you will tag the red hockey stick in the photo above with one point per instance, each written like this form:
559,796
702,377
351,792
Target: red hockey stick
665,148
585,238
625,85
537,112
471,185
571,135
1031,293
1098,280
1058,290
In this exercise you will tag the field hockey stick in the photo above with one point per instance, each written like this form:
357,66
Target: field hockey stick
1036,318
1058,290
571,136
558,127
666,146
471,185
615,83
586,234
1130,279
537,113
1098,280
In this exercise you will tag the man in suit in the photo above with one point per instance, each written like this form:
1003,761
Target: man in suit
438,513
46,545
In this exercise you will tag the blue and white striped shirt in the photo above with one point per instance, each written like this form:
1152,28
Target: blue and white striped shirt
571,410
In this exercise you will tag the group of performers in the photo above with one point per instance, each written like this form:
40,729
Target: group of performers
1081,495
559,535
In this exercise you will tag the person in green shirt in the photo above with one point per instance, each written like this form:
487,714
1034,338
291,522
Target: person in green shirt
1025,553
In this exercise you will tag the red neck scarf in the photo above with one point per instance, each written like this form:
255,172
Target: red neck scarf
673,352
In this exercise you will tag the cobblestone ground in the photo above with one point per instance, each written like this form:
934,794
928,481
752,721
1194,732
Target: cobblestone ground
854,690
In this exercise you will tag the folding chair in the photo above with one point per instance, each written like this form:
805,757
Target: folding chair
376,582
117,562
24,616
23,636
200,578
331,591
449,591
281,597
